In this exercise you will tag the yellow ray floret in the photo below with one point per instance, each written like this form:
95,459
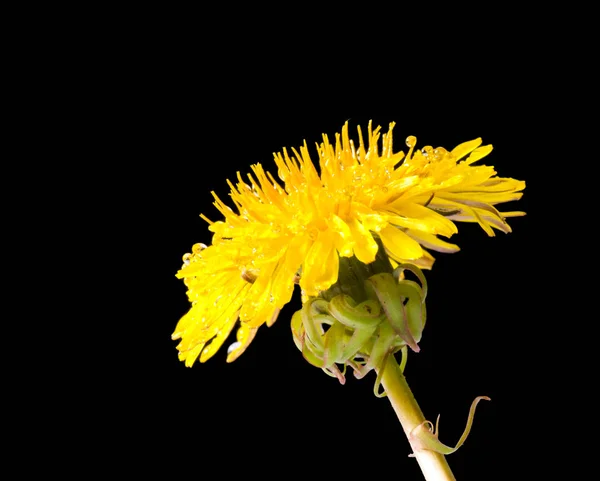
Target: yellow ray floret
296,229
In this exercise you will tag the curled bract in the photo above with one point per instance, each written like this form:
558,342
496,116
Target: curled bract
425,436
339,330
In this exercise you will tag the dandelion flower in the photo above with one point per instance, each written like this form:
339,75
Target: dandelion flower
295,230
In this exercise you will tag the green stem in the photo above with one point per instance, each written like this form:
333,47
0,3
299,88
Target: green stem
433,465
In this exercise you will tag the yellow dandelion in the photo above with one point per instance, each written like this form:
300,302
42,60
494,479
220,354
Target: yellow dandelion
295,231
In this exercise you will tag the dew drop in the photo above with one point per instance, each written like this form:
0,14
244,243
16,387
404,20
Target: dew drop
233,347
439,153
411,140
197,248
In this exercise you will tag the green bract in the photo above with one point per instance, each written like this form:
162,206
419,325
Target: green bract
370,313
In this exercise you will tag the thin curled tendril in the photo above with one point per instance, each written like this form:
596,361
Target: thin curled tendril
421,438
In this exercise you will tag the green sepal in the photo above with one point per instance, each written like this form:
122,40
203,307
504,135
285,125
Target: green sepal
358,342
418,274
297,330
364,315
310,326
414,307
310,357
386,288
382,346
333,345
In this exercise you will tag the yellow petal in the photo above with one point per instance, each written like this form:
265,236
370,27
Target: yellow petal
190,356
463,149
244,337
516,213
214,312
414,216
399,245
211,348
365,247
371,219
258,294
343,236
425,261
320,268
274,317
487,197
475,215
285,272
182,325
478,153
481,196
432,242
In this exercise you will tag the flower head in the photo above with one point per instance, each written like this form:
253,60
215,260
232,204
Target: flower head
295,231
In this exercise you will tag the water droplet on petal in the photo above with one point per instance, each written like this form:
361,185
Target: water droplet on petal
439,153
233,347
197,248
411,140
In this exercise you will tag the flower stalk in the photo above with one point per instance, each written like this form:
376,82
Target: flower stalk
386,315
433,464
